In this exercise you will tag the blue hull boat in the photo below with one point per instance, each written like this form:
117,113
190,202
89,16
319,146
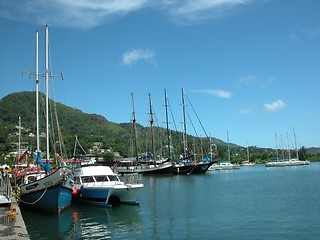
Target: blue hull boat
51,193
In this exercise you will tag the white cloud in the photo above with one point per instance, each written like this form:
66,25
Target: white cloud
274,106
134,55
190,11
68,13
90,13
216,92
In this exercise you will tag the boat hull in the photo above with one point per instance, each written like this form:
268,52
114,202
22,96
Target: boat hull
126,194
287,163
146,170
198,168
92,195
51,193
100,186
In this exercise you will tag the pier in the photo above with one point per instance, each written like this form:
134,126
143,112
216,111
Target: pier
12,226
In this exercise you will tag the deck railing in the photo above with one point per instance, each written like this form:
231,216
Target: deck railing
132,178
5,186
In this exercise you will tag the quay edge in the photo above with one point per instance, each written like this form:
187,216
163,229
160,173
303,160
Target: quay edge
13,227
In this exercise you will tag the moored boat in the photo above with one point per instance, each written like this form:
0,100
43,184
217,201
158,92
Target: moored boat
100,186
147,167
44,190
129,166
193,167
50,193
286,162
188,164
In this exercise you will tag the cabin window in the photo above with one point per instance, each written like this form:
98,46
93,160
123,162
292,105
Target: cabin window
113,178
87,179
101,178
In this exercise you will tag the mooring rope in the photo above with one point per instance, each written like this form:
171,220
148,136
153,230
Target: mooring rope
37,199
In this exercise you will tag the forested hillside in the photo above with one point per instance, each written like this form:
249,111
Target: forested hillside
96,134
93,131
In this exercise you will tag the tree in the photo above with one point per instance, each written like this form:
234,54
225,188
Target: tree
302,153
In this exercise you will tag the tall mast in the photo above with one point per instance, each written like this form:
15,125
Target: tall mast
47,90
184,137
295,143
211,149
167,122
229,157
152,130
277,151
37,90
289,154
134,128
248,155
19,143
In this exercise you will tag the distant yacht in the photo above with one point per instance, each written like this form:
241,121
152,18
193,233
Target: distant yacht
283,162
280,162
225,164
247,163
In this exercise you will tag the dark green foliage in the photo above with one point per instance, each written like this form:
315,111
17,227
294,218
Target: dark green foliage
94,129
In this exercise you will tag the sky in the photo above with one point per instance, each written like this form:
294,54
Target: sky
247,67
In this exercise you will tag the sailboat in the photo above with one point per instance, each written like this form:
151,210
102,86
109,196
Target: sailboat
284,162
247,162
149,166
226,164
188,164
47,190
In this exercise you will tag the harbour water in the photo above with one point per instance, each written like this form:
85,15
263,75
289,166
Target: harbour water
254,202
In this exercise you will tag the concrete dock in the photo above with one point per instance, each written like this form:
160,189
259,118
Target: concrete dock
12,226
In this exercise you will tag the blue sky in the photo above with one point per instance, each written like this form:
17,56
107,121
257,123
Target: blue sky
251,68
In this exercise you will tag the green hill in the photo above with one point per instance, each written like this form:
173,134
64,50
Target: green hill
93,131
96,134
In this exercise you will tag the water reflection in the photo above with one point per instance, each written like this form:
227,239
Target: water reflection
85,222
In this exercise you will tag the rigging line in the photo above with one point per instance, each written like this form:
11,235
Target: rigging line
61,142
198,138
198,118
37,199
175,126
77,141
174,122
51,131
192,169
157,129
194,129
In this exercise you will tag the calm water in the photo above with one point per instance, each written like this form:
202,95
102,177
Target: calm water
251,203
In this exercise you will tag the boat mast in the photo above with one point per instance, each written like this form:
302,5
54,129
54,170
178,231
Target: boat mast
295,143
277,151
184,139
229,157
37,90
211,149
47,90
289,154
134,128
167,122
19,143
248,156
152,130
